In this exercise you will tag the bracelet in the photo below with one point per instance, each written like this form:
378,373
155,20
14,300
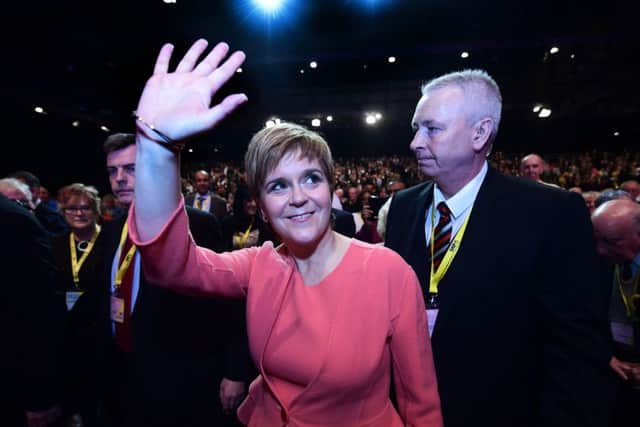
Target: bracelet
168,143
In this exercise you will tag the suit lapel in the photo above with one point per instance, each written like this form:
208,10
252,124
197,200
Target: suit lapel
416,239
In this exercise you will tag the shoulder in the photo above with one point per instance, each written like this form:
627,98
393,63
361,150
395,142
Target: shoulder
378,258
412,193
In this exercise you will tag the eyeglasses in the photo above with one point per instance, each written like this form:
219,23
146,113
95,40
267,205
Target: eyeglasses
24,203
83,209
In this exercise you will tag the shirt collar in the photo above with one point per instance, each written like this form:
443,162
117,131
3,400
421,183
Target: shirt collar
463,199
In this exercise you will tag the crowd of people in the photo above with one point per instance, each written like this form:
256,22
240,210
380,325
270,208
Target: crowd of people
460,285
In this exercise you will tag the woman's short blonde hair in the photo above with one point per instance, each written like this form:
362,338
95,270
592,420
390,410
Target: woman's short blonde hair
272,144
78,189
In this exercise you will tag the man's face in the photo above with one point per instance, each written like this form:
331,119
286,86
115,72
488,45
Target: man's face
615,240
532,168
443,142
121,167
202,182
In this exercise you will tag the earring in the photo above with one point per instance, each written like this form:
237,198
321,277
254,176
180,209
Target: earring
263,216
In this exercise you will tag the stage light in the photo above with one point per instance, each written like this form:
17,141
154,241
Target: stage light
313,64
329,118
464,55
269,6
39,110
616,133
391,59
75,123
301,71
544,113
239,70
554,50
270,123
537,108
370,119
191,150
378,116
104,128
315,123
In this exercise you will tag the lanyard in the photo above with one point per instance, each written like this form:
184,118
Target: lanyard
126,262
452,250
630,300
245,235
75,264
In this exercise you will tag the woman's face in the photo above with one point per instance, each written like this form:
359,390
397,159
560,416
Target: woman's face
250,207
296,200
79,213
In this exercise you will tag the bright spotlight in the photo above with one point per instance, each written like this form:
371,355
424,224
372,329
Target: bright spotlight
378,116
104,128
277,121
544,113
391,59
537,108
270,123
554,50
75,123
370,119
239,70
329,118
191,150
39,110
313,64
269,6
315,123
464,55
616,133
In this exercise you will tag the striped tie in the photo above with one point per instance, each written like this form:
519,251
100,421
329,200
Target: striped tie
442,235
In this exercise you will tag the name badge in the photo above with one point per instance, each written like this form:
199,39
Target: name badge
117,309
622,333
432,315
71,297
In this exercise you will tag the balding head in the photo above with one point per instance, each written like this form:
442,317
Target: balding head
617,228
532,166
632,187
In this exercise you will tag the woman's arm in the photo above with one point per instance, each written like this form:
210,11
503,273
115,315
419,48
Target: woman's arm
174,107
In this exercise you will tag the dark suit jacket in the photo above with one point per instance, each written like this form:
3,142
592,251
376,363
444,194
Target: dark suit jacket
183,345
522,336
343,222
218,205
32,317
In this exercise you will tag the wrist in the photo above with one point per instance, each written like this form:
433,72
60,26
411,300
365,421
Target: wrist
149,132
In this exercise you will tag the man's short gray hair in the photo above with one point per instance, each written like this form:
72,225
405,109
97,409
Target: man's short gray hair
481,89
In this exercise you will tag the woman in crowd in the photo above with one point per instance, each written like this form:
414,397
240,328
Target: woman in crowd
330,319
244,228
78,256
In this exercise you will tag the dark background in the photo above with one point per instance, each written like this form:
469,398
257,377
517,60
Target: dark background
88,61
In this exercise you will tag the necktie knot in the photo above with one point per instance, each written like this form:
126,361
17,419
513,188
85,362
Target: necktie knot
444,210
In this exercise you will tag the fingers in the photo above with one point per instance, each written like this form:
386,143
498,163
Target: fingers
212,60
223,109
191,57
223,73
162,62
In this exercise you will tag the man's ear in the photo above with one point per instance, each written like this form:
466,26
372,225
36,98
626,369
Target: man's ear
481,133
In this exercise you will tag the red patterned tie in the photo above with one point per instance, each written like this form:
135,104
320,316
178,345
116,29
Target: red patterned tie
124,335
442,235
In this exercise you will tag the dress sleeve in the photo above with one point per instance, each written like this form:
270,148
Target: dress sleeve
173,260
413,370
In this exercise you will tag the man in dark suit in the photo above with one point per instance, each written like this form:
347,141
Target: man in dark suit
343,222
520,333
184,361
206,200
33,320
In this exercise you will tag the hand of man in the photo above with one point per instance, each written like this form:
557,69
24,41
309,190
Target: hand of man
628,371
231,394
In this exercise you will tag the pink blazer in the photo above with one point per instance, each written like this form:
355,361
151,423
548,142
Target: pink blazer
379,325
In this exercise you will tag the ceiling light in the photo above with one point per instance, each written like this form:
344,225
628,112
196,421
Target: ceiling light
616,133
537,108
313,64
464,55
301,71
191,150
370,119
554,50
39,110
104,128
269,6
315,123
391,59
329,118
75,123
378,116
270,123
239,70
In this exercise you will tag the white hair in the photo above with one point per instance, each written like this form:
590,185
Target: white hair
15,184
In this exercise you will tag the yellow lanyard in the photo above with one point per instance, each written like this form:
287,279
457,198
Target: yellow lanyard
126,262
452,250
245,236
75,264
630,300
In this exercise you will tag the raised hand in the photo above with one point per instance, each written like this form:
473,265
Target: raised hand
178,104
